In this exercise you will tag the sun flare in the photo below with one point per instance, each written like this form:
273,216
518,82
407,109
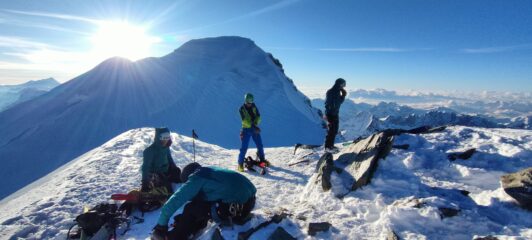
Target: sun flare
116,38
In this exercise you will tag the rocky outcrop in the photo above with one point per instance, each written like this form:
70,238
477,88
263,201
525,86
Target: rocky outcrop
462,155
281,234
361,158
314,228
519,186
324,169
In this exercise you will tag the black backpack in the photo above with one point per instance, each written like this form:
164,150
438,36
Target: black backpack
103,215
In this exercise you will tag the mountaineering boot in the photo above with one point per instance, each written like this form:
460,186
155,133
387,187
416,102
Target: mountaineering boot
240,168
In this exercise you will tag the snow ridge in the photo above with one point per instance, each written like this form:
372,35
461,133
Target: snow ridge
405,195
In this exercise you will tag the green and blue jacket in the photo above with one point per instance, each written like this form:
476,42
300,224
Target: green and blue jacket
210,184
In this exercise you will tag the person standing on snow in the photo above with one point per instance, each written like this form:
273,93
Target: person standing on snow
214,193
333,99
249,113
157,163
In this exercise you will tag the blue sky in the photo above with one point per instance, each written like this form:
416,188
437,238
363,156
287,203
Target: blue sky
421,45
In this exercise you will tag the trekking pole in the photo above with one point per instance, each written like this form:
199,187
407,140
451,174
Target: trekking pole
194,137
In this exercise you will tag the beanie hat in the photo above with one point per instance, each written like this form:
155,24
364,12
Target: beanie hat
188,170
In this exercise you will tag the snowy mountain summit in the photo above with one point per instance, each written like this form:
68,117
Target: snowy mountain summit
199,86
11,95
415,193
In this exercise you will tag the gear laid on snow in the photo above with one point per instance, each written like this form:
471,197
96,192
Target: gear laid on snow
100,222
250,163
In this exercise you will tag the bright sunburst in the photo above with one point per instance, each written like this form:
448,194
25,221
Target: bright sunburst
116,38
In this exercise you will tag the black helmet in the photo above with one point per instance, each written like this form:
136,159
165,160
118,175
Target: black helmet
189,169
340,82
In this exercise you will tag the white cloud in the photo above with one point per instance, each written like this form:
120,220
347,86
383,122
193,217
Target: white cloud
382,49
498,49
55,15
16,42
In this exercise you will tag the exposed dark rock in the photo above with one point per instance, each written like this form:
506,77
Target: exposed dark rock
448,212
305,146
314,228
401,146
489,237
277,218
464,192
324,169
281,234
462,155
418,130
391,235
362,157
519,186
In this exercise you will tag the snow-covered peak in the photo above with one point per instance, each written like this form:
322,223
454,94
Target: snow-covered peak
11,95
199,86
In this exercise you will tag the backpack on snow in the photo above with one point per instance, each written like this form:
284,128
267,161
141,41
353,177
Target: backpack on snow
100,222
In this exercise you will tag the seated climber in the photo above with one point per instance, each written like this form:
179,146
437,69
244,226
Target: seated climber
158,167
214,193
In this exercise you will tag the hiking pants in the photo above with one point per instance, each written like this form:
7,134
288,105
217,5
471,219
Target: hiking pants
173,176
197,214
250,132
332,130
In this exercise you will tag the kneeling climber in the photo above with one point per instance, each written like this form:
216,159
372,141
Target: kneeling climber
214,193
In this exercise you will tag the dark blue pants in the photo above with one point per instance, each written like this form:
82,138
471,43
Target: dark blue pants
250,132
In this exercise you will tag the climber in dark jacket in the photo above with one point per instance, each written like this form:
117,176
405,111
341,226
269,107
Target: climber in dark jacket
207,193
157,162
333,100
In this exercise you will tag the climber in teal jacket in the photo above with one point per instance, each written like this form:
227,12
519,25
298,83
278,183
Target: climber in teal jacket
157,162
214,193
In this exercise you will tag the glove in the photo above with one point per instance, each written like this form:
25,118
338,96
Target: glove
145,186
257,130
241,135
343,93
159,232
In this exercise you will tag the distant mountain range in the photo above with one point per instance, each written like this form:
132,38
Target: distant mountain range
495,104
11,95
362,119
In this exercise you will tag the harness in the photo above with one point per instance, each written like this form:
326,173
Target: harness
224,213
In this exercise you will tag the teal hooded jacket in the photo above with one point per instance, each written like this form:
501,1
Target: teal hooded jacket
211,184
156,158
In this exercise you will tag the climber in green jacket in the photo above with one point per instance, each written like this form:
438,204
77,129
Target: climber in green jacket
157,163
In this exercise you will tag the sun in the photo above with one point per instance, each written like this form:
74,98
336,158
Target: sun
122,39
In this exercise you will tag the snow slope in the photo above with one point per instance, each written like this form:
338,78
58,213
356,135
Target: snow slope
404,196
10,95
200,86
